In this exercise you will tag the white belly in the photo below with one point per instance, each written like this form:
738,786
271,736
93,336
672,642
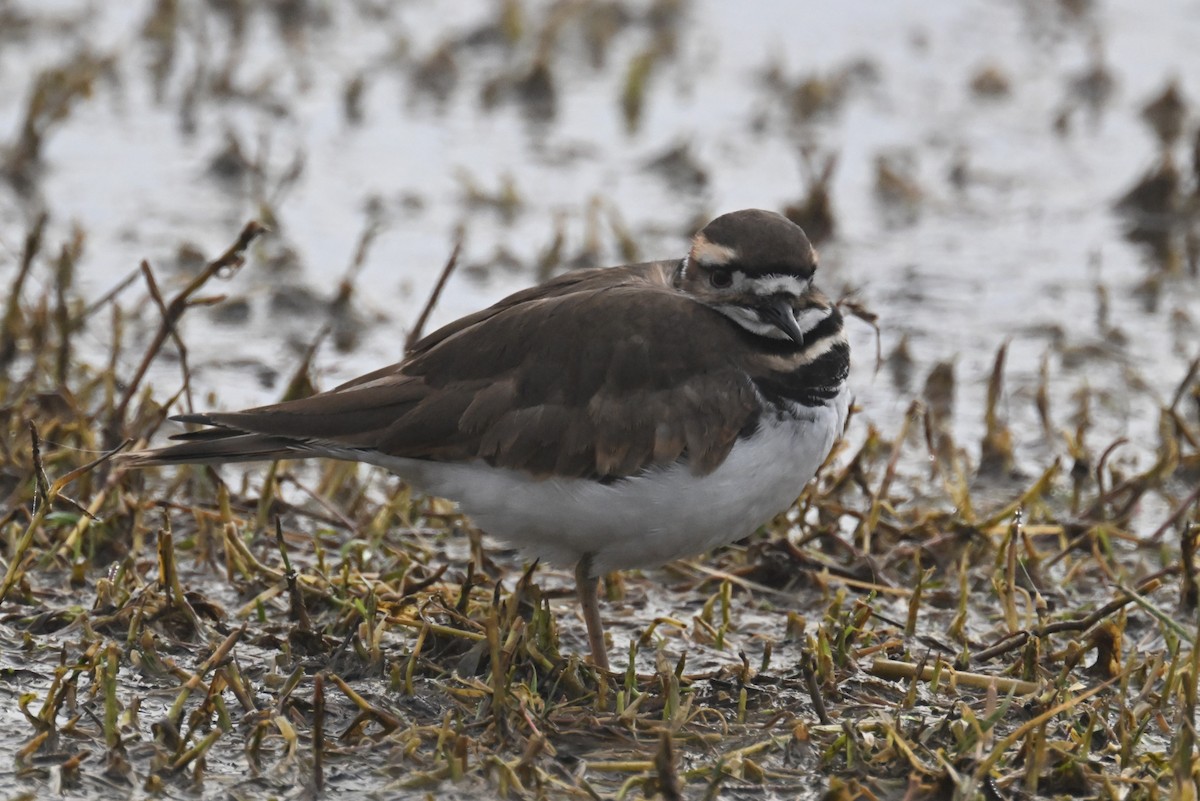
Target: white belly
645,520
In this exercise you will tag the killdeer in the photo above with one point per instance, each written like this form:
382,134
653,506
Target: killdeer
609,418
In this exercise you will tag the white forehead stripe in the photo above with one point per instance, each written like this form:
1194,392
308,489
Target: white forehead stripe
765,286
711,254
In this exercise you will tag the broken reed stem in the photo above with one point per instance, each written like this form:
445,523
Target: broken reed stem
1189,591
914,600
198,750
418,329
1017,639
318,732
1181,390
1038,489
298,612
341,301
229,261
1185,773
1168,621
1176,515
859,310
168,577
1133,487
88,514
894,669
985,767
48,494
1009,597
867,527
40,509
108,674
996,449
384,718
196,680
813,685
156,296
110,295
10,325
666,770
64,273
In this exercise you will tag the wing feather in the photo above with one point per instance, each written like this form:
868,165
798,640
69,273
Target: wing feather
606,382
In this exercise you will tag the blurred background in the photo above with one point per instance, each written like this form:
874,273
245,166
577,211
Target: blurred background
975,173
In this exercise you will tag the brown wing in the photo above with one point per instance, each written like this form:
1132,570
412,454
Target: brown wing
598,383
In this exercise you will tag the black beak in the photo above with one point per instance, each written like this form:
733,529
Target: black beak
779,312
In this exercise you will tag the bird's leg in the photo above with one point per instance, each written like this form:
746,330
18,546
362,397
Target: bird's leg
585,588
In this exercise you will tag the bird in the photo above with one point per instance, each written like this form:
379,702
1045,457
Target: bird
609,418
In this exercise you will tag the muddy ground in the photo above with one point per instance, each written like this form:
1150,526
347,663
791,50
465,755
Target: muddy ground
988,592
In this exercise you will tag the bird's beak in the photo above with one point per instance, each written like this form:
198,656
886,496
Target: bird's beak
779,312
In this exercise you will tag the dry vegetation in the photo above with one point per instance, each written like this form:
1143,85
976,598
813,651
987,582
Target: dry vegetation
927,621
325,628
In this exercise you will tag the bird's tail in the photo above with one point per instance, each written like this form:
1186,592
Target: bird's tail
219,445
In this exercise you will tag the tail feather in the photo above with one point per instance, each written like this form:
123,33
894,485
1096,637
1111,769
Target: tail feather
218,446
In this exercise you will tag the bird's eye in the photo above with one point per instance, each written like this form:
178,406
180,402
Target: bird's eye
721,279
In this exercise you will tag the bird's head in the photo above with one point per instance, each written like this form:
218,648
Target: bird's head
756,267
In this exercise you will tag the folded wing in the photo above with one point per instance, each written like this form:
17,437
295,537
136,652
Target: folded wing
602,383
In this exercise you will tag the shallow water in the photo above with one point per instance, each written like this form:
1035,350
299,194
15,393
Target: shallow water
1018,248
1015,252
